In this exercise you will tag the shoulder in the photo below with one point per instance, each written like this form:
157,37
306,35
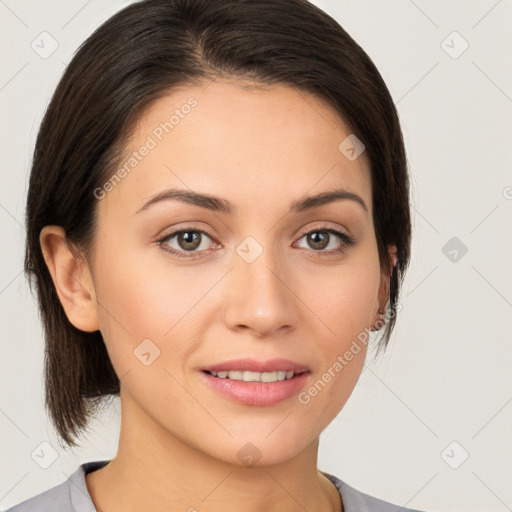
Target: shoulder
69,496
57,498
356,501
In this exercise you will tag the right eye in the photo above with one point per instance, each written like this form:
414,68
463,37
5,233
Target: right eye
187,240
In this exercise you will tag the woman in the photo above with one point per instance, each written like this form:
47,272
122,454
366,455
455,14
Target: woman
217,217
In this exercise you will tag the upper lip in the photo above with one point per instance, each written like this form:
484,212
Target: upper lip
253,365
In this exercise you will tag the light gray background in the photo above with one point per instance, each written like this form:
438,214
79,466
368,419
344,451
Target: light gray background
443,390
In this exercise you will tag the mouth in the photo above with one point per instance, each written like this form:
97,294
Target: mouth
256,383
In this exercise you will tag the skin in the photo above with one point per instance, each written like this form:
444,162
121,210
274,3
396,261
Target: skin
260,149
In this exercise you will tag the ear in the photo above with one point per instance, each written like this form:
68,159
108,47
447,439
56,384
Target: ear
71,277
383,295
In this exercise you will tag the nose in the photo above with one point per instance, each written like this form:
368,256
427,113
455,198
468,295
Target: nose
259,298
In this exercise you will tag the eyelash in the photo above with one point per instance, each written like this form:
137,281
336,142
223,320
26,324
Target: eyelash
346,242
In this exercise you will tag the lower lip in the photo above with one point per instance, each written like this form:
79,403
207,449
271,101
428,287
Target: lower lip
257,393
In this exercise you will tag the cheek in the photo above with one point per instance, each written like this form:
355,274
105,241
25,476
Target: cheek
142,296
343,302
342,298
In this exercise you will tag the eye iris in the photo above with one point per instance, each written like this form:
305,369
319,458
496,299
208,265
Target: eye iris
189,240
318,239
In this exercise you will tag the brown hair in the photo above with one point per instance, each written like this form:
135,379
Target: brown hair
141,54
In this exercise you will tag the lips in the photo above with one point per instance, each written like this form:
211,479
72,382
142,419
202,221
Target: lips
256,383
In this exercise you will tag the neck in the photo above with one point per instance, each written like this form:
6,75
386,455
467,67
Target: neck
155,470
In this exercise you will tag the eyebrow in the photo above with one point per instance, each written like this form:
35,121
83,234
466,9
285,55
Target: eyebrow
218,204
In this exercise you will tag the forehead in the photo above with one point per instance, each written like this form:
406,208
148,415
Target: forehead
251,145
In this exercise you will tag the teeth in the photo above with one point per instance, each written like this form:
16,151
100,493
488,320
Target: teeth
247,376
252,376
268,377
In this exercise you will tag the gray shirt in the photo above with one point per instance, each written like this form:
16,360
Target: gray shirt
73,496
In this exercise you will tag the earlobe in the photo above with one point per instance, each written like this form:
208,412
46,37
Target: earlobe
71,277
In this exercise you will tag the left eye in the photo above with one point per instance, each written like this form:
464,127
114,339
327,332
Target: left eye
320,239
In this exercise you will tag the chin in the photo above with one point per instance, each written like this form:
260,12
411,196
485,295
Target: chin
258,448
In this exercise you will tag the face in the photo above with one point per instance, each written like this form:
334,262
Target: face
185,285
